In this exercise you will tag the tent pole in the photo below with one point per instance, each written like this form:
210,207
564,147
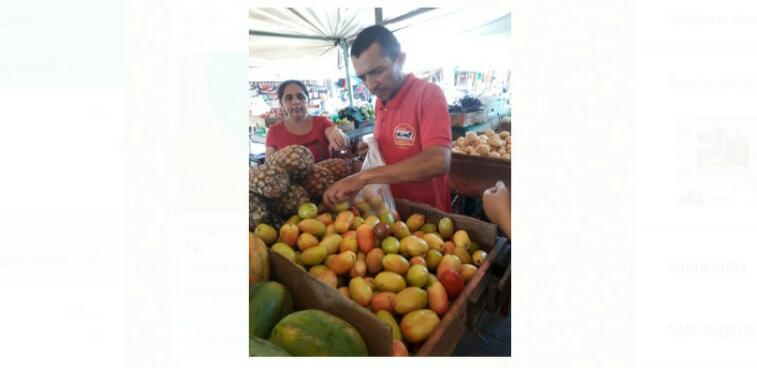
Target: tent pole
346,54
379,12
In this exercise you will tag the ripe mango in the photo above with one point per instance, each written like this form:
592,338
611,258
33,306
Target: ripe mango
446,228
479,257
360,292
373,260
329,230
461,239
348,242
415,222
294,220
395,263
437,298
453,283
409,299
343,221
467,271
433,257
449,247
288,234
307,210
418,260
314,255
372,220
306,241
428,228
387,317
390,245
358,270
434,241
413,246
312,226
331,242
325,218
284,250
417,325
365,238
461,253
449,262
329,259
389,281
398,347
266,233
382,301
343,262
400,230
357,221
417,275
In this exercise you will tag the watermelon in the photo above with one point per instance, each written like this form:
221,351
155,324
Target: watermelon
312,332
263,348
270,301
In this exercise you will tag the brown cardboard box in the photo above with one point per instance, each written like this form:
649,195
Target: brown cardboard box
308,292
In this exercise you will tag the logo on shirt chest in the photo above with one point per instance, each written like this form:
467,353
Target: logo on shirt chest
404,135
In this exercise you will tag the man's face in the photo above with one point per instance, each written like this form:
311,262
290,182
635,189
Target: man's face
379,72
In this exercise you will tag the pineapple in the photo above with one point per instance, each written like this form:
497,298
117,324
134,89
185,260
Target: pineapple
259,212
317,183
269,181
296,160
339,168
291,201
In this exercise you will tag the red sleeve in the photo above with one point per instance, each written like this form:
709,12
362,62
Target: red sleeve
272,138
435,124
324,121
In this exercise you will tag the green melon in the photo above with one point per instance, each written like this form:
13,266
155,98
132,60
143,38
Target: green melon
313,332
270,301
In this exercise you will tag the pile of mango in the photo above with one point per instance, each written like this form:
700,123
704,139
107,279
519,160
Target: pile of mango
406,272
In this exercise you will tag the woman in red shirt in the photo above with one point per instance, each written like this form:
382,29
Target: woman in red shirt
316,133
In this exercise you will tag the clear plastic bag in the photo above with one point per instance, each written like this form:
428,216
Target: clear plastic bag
374,199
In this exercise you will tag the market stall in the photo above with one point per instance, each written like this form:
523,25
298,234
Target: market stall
376,276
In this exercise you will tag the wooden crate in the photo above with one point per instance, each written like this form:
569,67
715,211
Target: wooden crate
308,292
472,175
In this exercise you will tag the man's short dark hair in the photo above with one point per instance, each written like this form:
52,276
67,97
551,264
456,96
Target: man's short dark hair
284,85
376,34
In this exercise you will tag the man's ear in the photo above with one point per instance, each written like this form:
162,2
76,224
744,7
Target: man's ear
401,59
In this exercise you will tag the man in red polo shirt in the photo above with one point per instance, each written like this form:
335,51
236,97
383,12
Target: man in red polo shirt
412,128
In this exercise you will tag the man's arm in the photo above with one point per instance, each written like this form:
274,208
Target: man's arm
431,162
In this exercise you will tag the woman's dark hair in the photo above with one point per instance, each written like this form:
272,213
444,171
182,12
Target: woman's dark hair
284,85
376,34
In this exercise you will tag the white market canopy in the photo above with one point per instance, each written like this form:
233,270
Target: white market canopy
305,43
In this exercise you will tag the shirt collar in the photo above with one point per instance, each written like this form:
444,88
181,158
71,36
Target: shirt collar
396,101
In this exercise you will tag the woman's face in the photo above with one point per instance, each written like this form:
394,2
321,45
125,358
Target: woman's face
294,102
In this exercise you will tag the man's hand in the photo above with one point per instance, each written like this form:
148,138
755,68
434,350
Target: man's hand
344,190
337,139
362,149
497,206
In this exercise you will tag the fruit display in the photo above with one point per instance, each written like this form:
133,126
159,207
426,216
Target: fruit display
288,179
312,332
489,144
407,273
